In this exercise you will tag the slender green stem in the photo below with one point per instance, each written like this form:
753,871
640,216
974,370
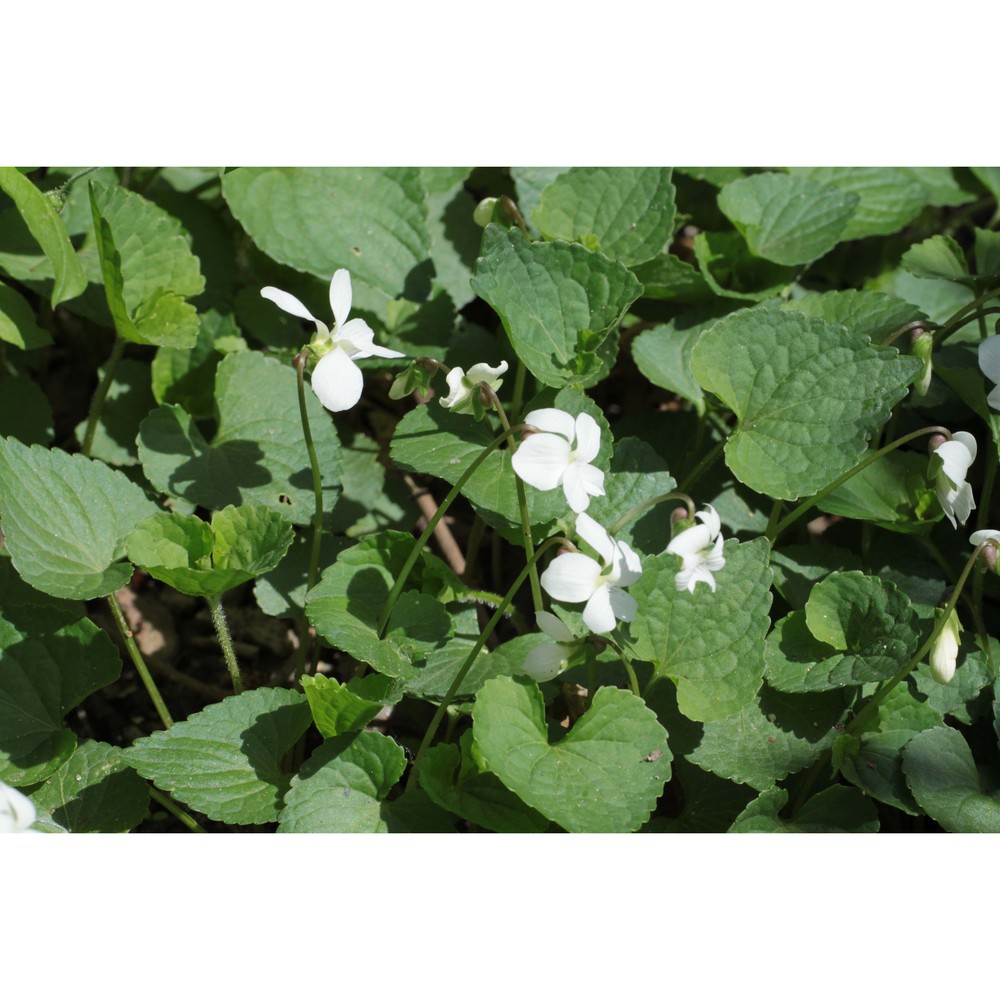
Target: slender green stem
917,324
411,559
472,548
317,523
471,658
139,662
168,803
97,403
708,459
962,316
522,502
225,641
638,509
518,401
774,531
776,509
633,680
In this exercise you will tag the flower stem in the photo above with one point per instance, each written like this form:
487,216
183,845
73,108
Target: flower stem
317,524
774,531
225,641
518,401
471,658
962,316
646,504
168,803
97,403
522,502
706,462
411,559
139,662
633,680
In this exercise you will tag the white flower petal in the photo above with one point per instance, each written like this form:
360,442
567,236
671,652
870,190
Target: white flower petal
17,811
623,605
993,399
598,615
962,503
956,458
576,491
690,541
483,372
596,537
553,627
592,479
684,580
627,563
458,393
710,519
337,381
965,438
289,303
340,295
989,358
545,661
571,577
987,534
553,421
588,438
541,460
701,574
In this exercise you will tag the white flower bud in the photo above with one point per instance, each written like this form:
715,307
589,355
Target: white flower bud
944,652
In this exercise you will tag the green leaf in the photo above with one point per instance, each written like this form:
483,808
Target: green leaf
65,520
733,272
788,220
808,395
989,177
18,325
24,411
128,401
343,708
456,780
877,769
50,660
257,455
663,354
893,492
865,314
888,197
603,777
937,257
855,629
711,645
625,212
559,303
530,183
42,219
669,277
94,791
973,673
281,593
942,776
341,787
834,810
765,742
987,253
455,239
372,221
147,267
206,561
710,804
225,761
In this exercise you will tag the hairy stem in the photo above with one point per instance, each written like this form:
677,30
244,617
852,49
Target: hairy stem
139,662
226,642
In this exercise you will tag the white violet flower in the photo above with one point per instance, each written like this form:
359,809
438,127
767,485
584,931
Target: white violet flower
989,365
944,652
574,577
561,455
953,492
549,659
336,380
700,548
461,384
17,811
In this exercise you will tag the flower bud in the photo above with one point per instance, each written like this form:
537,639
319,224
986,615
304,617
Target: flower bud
922,346
482,215
989,553
944,652
934,442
